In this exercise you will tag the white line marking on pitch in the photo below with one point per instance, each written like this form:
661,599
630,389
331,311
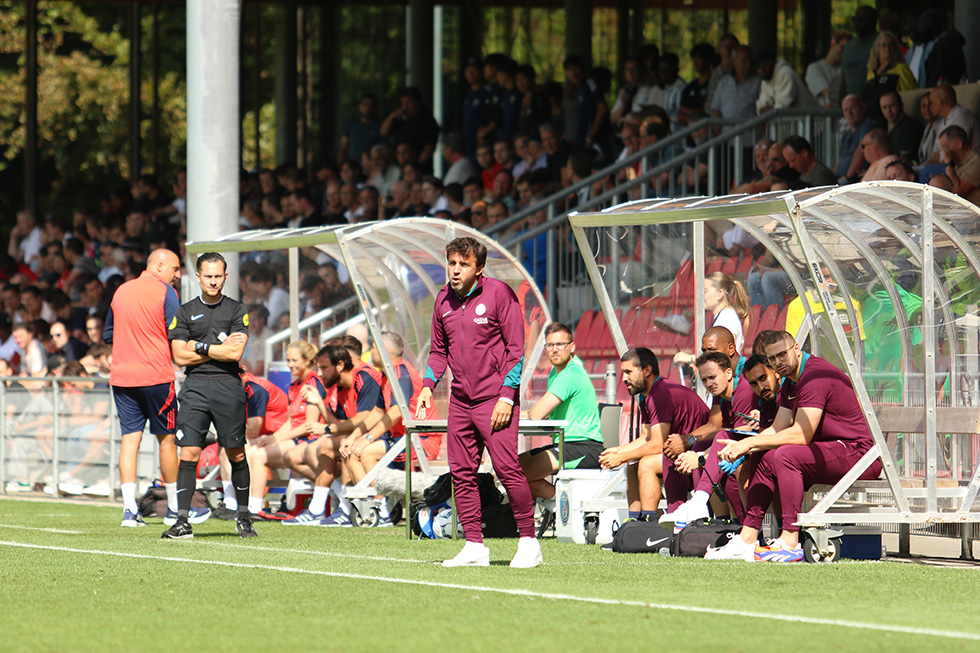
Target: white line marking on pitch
816,621
321,553
46,530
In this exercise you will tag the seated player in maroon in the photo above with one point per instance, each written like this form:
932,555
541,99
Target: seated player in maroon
818,435
734,405
668,408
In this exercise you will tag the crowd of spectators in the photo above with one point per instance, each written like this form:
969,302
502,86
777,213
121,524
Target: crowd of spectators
511,153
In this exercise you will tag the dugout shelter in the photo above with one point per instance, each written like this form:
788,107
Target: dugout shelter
396,268
891,273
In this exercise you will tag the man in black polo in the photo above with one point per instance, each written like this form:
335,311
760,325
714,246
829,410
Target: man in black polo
208,336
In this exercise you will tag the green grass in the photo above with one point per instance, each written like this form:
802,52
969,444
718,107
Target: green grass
56,600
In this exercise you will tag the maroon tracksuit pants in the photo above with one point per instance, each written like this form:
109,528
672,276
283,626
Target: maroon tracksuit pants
469,434
795,467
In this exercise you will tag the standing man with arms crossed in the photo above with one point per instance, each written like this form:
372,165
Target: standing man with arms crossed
478,331
142,375
208,336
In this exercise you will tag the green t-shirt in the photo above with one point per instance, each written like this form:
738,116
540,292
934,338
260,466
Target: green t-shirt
579,406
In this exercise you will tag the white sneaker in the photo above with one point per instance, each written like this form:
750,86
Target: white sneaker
528,553
474,554
736,549
685,514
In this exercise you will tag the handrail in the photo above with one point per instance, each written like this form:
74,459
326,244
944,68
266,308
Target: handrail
701,151
657,148
306,323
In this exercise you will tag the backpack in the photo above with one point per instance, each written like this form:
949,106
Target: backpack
642,537
695,538
153,503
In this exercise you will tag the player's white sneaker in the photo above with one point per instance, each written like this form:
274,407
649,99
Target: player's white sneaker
685,513
528,553
736,549
474,554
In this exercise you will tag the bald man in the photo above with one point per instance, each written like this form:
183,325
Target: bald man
142,376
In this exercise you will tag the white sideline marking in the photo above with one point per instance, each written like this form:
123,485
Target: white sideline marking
817,621
321,553
46,530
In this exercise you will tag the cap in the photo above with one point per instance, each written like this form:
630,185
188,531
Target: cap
473,61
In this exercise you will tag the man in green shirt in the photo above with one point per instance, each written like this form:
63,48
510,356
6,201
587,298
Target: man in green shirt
571,397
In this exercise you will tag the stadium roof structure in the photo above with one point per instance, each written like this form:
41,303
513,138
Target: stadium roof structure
397,268
899,260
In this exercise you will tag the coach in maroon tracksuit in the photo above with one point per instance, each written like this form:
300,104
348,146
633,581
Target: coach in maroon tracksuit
478,331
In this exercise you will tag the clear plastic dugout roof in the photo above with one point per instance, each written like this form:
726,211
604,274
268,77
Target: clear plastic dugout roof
881,278
397,267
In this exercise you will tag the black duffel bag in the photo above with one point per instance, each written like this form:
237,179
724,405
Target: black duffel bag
695,538
642,537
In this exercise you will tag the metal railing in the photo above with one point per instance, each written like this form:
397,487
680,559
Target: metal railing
711,168
62,437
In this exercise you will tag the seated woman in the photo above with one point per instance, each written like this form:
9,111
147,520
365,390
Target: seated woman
268,450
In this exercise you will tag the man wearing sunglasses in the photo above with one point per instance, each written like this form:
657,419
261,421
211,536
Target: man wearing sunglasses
818,435
570,396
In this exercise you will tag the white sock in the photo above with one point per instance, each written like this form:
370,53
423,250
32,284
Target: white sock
255,505
230,498
700,497
319,501
383,508
171,489
129,497
338,490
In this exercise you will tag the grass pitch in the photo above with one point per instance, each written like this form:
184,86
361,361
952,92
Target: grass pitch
72,580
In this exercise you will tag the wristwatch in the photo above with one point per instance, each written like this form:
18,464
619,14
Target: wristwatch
701,459
691,441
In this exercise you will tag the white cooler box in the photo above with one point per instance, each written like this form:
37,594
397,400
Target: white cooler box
575,486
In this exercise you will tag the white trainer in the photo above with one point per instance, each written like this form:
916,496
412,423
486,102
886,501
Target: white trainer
474,554
736,549
685,514
528,553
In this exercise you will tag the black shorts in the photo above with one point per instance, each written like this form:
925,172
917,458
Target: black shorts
206,400
579,454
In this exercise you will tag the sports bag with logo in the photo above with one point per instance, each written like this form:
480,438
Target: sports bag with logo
695,538
642,537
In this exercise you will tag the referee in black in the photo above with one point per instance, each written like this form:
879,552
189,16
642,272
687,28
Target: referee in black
208,336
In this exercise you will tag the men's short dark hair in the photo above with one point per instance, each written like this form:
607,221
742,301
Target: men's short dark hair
526,70
100,349
410,91
753,360
573,60
211,257
433,181
302,194
75,246
338,355
454,141
771,337
642,357
799,144
466,245
891,91
581,162
473,181
703,51
955,132
906,167
718,358
758,347
352,344
656,128
369,96
558,327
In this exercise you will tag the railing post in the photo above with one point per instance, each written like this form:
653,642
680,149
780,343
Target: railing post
712,173
56,436
645,186
114,429
551,273
3,436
